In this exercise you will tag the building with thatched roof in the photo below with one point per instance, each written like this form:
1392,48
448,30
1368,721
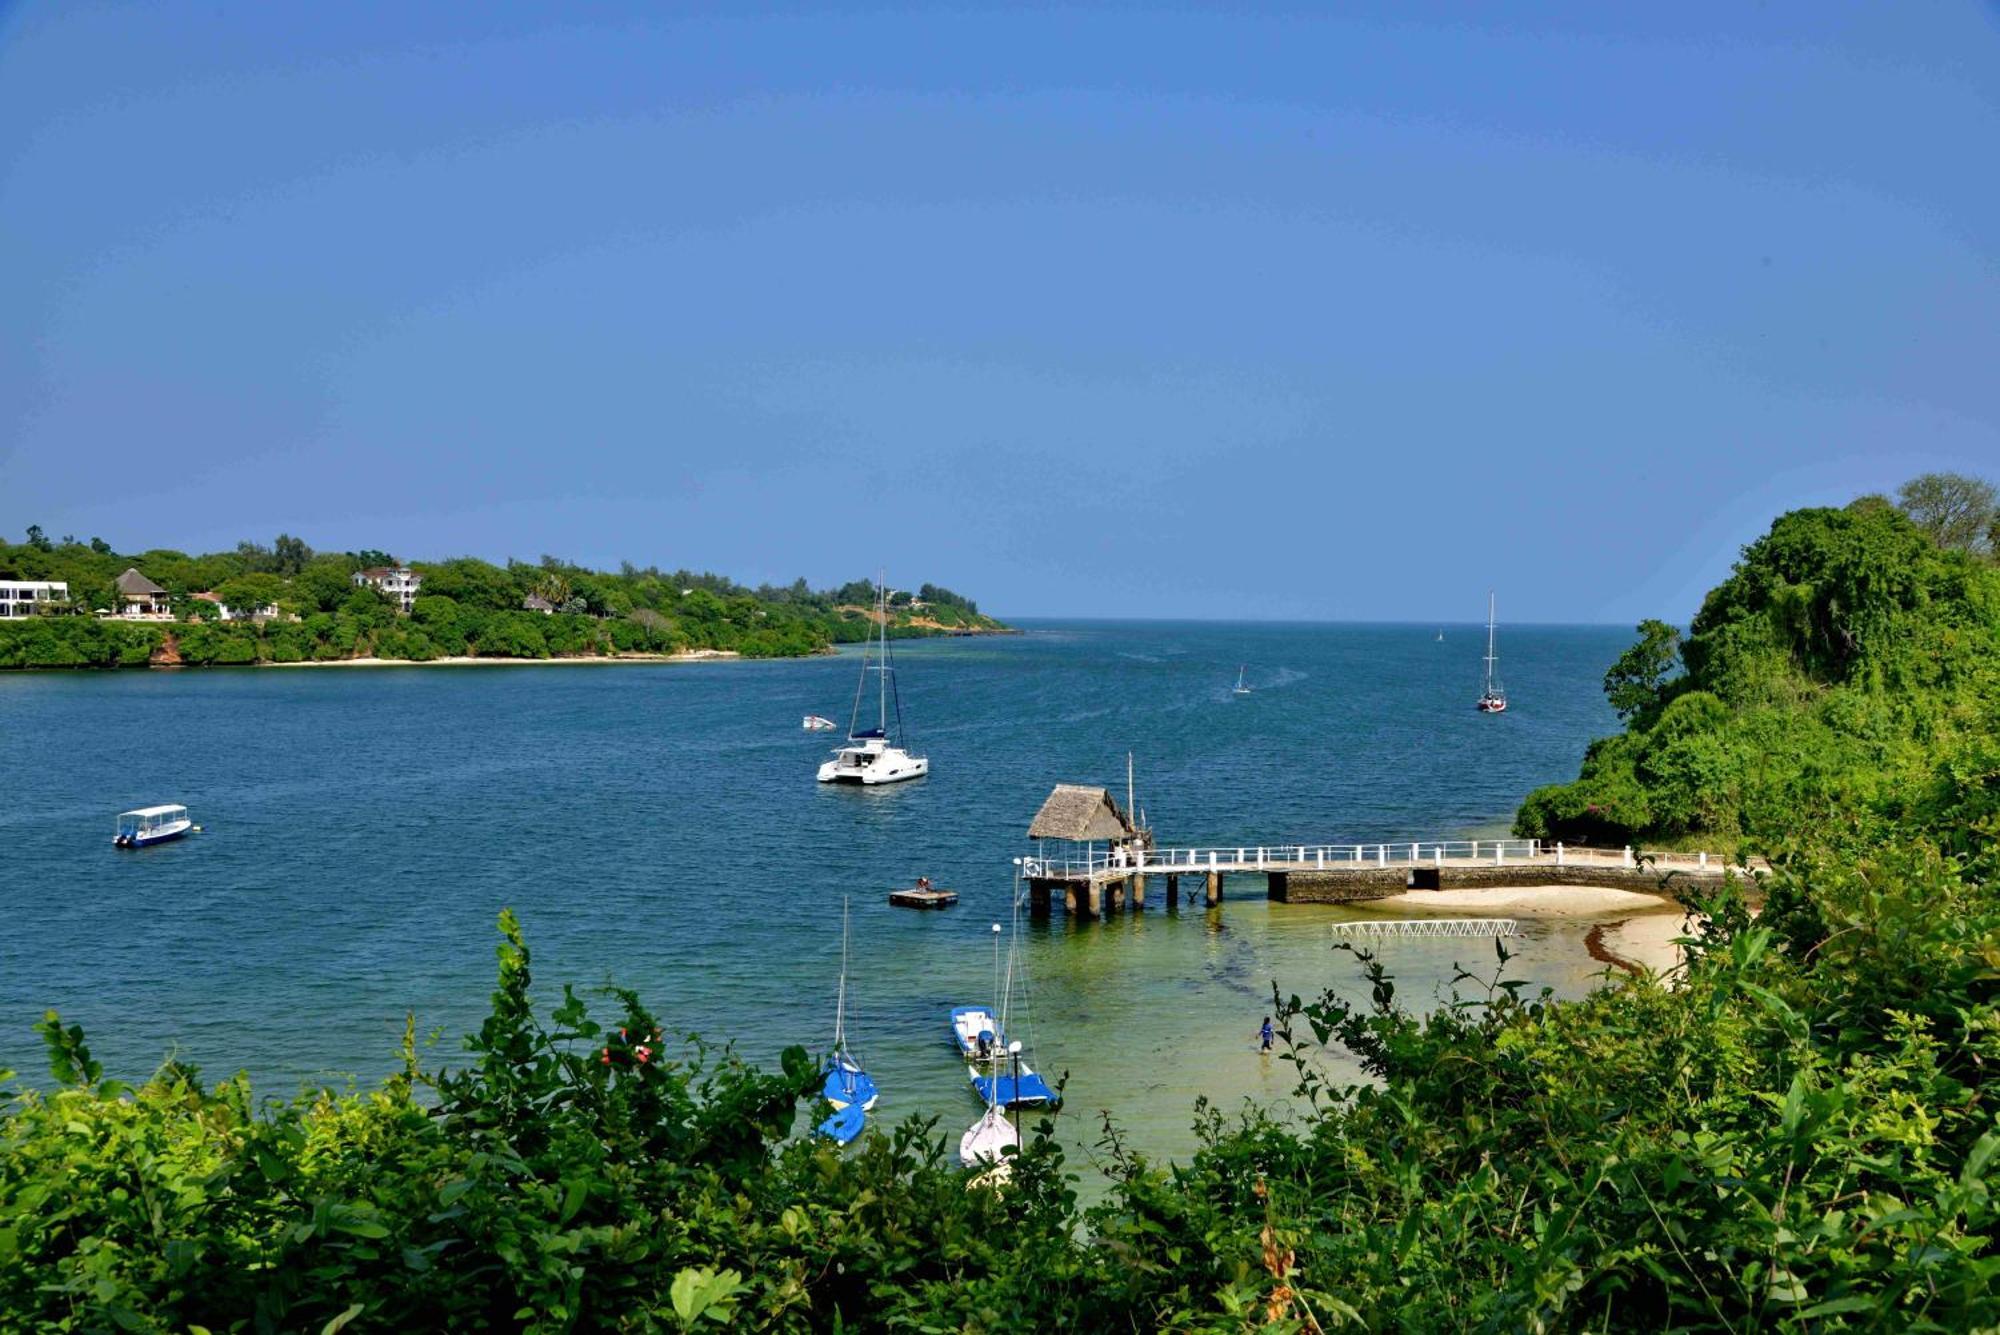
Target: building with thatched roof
1082,815
139,599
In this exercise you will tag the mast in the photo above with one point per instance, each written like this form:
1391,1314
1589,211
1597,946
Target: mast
882,682
1490,655
840,1005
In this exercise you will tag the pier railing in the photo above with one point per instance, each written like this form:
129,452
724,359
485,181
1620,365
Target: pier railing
1350,856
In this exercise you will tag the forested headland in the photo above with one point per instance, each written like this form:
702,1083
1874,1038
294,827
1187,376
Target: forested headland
307,608
1793,1132
1844,674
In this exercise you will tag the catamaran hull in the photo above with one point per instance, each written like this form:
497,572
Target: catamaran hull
834,772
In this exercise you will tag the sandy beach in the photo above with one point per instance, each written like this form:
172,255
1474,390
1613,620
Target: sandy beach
462,660
1633,928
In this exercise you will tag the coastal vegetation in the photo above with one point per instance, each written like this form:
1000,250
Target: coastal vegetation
1791,1133
297,606
1849,662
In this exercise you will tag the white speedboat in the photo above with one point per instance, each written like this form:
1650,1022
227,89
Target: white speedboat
871,755
151,825
819,723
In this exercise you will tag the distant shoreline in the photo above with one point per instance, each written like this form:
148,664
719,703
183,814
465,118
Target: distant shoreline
466,660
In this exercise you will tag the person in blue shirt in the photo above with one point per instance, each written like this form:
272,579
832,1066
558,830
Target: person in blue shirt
1266,1034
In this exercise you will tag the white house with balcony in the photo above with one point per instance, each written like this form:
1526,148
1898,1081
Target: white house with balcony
27,597
268,612
397,582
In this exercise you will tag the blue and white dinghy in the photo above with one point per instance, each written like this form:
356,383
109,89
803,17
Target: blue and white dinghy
999,1075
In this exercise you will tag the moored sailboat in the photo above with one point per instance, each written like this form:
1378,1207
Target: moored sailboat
1493,696
871,756
849,1087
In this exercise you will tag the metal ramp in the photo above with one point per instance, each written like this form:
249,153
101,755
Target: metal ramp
1387,928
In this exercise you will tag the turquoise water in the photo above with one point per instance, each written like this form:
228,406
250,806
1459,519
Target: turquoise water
659,825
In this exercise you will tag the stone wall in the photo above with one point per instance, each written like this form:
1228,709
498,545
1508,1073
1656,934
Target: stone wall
1348,884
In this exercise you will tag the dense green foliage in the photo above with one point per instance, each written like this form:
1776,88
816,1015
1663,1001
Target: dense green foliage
1847,660
467,606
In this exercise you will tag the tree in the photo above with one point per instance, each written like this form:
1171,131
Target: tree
291,554
1636,683
369,558
1959,513
100,546
38,539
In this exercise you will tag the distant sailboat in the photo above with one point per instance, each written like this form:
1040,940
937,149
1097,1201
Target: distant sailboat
1242,688
1440,636
1493,698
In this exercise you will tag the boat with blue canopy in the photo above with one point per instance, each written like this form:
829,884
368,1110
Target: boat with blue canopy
994,1066
848,1084
844,1125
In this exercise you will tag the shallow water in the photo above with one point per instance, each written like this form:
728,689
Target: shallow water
659,825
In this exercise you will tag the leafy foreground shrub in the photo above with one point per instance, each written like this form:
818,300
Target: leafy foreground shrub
1797,1135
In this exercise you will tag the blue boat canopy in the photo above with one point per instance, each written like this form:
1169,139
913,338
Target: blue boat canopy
847,1083
866,733
1029,1091
845,1124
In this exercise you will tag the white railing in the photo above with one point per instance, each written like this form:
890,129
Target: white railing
1352,856
1381,927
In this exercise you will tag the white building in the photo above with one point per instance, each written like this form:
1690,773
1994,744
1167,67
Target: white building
268,612
399,582
25,597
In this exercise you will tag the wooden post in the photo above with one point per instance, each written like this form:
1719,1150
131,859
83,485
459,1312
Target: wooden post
1139,892
1117,895
1214,888
1095,895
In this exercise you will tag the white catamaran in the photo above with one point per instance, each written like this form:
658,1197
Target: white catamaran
1493,698
871,756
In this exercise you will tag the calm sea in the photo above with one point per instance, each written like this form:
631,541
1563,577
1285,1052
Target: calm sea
658,825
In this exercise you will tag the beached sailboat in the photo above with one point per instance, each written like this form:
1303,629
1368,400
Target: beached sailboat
1242,687
871,756
1493,697
849,1087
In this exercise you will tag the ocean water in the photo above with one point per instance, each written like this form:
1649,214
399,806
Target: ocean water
659,826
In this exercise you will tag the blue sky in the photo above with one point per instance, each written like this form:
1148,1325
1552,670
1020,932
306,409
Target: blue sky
1206,312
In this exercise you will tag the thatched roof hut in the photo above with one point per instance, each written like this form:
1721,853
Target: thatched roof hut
1082,815
135,585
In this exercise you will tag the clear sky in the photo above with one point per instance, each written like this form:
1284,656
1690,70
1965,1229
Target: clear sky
1212,312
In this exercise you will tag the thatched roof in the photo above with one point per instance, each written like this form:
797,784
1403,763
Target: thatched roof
1076,812
134,583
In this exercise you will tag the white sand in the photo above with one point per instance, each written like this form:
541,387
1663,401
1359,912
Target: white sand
1647,940
1633,927
691,656
1556,901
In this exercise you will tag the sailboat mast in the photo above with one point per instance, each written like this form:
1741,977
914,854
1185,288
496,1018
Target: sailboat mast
882,668
1489,642
840,1005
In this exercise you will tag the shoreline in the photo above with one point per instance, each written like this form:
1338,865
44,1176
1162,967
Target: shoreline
1634,930
467,660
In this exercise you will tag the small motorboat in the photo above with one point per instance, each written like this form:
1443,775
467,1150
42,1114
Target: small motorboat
151,825
994,1066
819,723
